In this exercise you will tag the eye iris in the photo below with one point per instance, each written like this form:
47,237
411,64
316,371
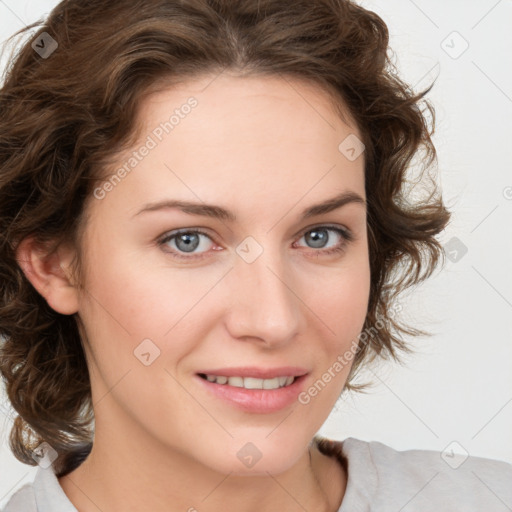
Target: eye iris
191,241
318,237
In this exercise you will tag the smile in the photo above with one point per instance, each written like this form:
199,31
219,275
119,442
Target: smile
250,382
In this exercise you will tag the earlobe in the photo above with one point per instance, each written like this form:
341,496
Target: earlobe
49,274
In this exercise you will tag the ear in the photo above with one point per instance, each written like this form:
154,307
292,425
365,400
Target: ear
50,274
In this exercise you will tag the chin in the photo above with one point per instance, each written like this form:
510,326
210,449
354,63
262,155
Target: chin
255,455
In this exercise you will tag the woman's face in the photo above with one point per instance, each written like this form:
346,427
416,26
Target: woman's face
253,288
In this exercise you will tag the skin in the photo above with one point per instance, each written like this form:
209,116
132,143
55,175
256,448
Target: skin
265,151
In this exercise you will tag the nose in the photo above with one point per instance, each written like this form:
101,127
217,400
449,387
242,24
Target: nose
263,304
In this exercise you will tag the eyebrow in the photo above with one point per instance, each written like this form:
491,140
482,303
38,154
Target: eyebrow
218,212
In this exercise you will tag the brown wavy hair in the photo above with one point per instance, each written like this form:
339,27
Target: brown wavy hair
62,118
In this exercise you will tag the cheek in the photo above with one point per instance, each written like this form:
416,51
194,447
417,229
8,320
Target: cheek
133,317
340,300
342,308
129,301
136,295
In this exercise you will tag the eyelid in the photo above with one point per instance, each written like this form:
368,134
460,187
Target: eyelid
346,231
169,235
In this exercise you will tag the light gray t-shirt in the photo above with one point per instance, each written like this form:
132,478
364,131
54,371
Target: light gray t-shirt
380,479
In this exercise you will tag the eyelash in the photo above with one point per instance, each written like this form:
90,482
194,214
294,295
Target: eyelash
345,234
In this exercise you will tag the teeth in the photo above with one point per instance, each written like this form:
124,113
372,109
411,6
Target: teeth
238,382
251,382
271,383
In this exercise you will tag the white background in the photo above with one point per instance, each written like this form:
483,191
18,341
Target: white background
458,386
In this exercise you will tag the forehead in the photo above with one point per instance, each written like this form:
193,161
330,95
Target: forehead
245,139
254,105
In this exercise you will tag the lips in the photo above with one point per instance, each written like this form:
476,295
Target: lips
253,389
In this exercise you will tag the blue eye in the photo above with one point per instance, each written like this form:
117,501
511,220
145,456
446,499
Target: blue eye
185,241
182,244
319,238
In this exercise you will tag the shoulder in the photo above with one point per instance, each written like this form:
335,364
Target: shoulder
44,494
420,480
23,500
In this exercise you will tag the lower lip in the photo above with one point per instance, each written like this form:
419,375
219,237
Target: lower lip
259,401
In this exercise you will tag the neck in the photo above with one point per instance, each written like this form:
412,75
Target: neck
121,474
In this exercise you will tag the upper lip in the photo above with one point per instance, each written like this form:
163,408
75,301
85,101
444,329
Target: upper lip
257,372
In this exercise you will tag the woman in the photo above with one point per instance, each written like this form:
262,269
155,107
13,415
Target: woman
206,228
